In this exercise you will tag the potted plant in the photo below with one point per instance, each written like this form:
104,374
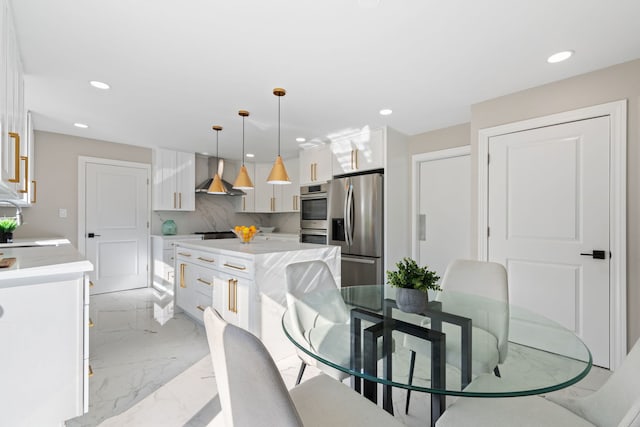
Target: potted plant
412,282
7,226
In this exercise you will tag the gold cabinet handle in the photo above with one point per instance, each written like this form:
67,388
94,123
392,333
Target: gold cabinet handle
182,268
35,191
206,259
244,203
16,150
235,266
180,200
355,158
90,284
184,254
90,371
203,281
174,199
235,295
24,190
229,283
311,172
199,307
90,323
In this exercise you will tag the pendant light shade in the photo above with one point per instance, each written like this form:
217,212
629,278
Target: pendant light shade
243,182
216,186
278,173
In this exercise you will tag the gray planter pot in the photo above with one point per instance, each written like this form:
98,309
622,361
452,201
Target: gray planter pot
411,300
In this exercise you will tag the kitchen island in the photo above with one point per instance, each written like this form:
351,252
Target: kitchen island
44,323
245,282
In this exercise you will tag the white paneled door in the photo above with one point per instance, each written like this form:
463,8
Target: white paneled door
443,201
116,226
548,216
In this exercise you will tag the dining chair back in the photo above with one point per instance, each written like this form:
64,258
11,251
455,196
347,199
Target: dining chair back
252,392
313,301
245,376
485,279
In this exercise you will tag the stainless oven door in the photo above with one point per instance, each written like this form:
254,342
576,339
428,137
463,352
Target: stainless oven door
313,236
313,211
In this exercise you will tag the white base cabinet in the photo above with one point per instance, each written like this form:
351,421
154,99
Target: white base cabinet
163,254
44,364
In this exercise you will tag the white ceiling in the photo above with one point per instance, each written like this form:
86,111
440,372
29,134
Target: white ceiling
176,67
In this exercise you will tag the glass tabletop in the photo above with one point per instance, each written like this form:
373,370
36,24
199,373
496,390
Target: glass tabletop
539,355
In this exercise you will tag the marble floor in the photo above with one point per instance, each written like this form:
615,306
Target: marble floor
157,371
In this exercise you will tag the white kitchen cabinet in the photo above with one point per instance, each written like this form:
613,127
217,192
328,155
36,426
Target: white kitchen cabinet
359,152
15,156
315,165
263,192
234,283
174,180
287,197
247,203
163,255
45,373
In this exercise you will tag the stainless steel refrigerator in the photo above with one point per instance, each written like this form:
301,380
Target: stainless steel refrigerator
355,224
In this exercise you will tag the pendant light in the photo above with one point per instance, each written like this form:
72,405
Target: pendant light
278,173
243,182
216,186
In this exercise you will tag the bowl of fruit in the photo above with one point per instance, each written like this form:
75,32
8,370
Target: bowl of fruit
244,233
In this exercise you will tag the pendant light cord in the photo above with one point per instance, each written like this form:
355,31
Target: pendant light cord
242,140
279,125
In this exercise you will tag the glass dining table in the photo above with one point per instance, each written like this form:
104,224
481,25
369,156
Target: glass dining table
375,347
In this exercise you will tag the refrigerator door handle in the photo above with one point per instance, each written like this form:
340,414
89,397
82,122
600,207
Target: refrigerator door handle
347,200
358,260
352,215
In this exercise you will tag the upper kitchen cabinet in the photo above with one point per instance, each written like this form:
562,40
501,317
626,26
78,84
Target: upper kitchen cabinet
315,165
359,152
263,192
174,180
14,146
288,195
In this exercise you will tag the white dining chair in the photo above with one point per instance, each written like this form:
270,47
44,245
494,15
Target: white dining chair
252,392
615,404
489,316
315,306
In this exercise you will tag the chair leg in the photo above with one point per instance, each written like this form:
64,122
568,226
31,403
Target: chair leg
496,371
411,366
300,372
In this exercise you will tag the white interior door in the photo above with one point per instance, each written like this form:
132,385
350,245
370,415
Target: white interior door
443,191
548,205
116,226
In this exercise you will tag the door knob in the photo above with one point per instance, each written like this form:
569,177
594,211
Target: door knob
92,235
595,254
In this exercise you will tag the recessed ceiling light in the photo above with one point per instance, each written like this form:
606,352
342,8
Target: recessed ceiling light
301,139
560,56
250,155
386,112
81,125
205,153
99,85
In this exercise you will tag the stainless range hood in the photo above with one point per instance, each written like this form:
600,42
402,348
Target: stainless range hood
203,187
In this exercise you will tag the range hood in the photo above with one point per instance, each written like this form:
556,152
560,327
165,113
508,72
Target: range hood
203,187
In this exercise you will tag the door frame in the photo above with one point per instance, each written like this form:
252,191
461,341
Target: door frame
416,159
82,186
617,112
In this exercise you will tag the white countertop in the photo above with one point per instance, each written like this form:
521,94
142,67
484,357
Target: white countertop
45,258
256,247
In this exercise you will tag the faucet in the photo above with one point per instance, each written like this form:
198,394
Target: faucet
18,210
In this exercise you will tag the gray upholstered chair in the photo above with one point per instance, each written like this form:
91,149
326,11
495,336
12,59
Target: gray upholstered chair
615,404
252,392
316,309
489,316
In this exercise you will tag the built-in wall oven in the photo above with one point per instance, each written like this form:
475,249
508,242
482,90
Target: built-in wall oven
314,202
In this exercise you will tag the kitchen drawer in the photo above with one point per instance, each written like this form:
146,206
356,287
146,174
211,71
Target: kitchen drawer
201,280
236,266
202,258
195,305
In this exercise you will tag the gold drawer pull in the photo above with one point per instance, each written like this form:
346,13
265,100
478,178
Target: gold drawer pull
235,266
90,323
182,268
26,175
199,307
90,284
184,254
90,371
206,259
35,191
203,281
16,171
